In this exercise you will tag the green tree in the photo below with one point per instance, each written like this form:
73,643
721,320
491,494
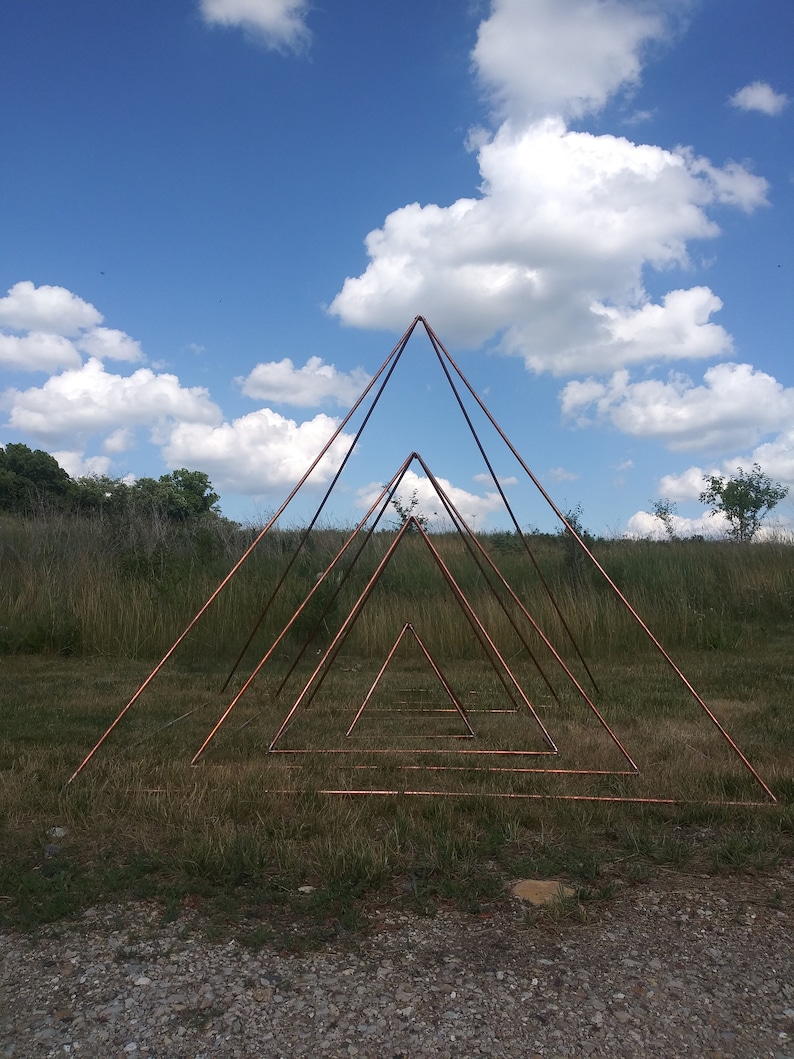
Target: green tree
181,496
744,500
665,511
409,508
31,478
575,557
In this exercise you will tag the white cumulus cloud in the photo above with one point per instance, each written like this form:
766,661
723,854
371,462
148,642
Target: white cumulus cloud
644,525
470,506
89,401
560,474
776,457
564,57
688,485
53,310
108,343
37,351
51,327
551,254
78,465
278,23
306,387
735,406
259,452
761,97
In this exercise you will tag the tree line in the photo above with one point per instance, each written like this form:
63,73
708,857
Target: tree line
32,481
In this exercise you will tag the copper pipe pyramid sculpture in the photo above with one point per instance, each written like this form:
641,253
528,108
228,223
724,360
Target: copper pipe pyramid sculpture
351,556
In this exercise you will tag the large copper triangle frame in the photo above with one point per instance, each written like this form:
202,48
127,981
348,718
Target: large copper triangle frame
484,561
382,377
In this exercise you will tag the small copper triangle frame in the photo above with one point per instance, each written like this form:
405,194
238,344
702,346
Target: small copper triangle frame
450,693
367,403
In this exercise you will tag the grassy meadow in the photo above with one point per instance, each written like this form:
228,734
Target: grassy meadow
87,610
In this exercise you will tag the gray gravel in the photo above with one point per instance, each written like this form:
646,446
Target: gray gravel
683,966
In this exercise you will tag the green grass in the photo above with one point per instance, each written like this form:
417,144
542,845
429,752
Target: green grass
83,619
141,822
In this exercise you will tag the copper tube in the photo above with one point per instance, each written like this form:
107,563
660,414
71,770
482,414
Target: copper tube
486,642
315,463
342,632
383,500
410,750
471,538
458,708
437,349
394,358
535,797
736,749
292,621
478,627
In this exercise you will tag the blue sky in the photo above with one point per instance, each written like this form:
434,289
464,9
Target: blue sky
218,216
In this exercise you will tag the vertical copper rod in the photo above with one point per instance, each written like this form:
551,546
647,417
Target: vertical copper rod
262,662
736,749
342,632
455,514
191,625
394,358
438,348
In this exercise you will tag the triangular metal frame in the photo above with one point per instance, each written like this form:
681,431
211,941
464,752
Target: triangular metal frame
500,666
377,385
457,705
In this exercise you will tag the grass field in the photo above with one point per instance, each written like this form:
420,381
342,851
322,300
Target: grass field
241,832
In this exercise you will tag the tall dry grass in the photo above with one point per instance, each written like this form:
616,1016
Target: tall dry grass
76,585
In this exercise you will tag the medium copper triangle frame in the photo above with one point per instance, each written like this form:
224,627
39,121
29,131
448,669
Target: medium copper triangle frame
326,663
382,376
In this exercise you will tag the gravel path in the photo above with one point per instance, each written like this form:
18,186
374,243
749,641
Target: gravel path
683,966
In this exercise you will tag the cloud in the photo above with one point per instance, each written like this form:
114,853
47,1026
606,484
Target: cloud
566,57
644,525
60,326
761,97
119,441
735,406
108,343
504,481
257,453
560,474
278,24
78,465
776,457
685,486
550,256
88,401
306,387
53,310
470,506
37,351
